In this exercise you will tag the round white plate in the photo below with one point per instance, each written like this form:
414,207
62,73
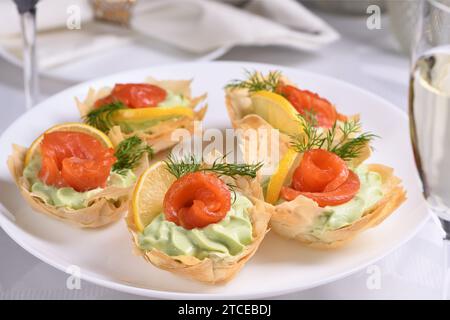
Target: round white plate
280,266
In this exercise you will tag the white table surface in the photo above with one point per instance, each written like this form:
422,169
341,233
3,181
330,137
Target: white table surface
367,58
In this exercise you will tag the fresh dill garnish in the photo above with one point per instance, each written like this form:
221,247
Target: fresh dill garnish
189,164
100,118
344,145
129,152
179,168
311,137
255,81
221,168
352,147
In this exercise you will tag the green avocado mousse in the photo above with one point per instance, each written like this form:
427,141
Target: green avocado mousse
336,217
151,110
68,197
73,172
198,220
328,195
224,239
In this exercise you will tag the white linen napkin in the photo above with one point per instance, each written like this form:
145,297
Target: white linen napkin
206,25
197,26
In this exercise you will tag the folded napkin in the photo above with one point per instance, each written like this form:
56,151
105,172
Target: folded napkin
197,26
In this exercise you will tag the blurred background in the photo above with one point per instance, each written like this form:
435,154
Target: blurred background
364,42
81,39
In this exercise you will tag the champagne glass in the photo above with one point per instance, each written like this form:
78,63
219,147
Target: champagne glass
27,11
429,112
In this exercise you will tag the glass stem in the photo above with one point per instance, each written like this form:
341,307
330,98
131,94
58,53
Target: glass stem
28,23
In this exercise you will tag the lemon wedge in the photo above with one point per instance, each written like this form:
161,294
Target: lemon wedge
69,126
277,111
148,194
145,114
284,169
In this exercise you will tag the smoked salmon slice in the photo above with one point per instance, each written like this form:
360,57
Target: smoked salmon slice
134,95
75,159
196,200
308,103
323,177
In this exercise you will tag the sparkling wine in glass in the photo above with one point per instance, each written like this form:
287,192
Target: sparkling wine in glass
27,11
429,112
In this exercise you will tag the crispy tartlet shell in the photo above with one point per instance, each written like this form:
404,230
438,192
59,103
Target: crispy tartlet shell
209,270
293,219
102,209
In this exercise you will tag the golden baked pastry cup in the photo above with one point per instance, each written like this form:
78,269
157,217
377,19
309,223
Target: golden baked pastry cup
213,270
103,208
294,219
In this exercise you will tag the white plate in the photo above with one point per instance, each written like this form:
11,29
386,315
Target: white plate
280,266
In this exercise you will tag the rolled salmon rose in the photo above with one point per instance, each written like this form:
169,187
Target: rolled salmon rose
323,177
74,159
197,200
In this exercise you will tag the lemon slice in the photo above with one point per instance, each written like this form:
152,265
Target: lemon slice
145,114
277,111
284,169
69,126
148,194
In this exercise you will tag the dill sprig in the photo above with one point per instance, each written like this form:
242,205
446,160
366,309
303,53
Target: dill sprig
311,137
345,146
353,146
255,81
129,152
100,118
179,168
189,164
221,168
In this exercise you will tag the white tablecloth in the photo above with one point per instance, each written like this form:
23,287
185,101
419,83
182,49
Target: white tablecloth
367,58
